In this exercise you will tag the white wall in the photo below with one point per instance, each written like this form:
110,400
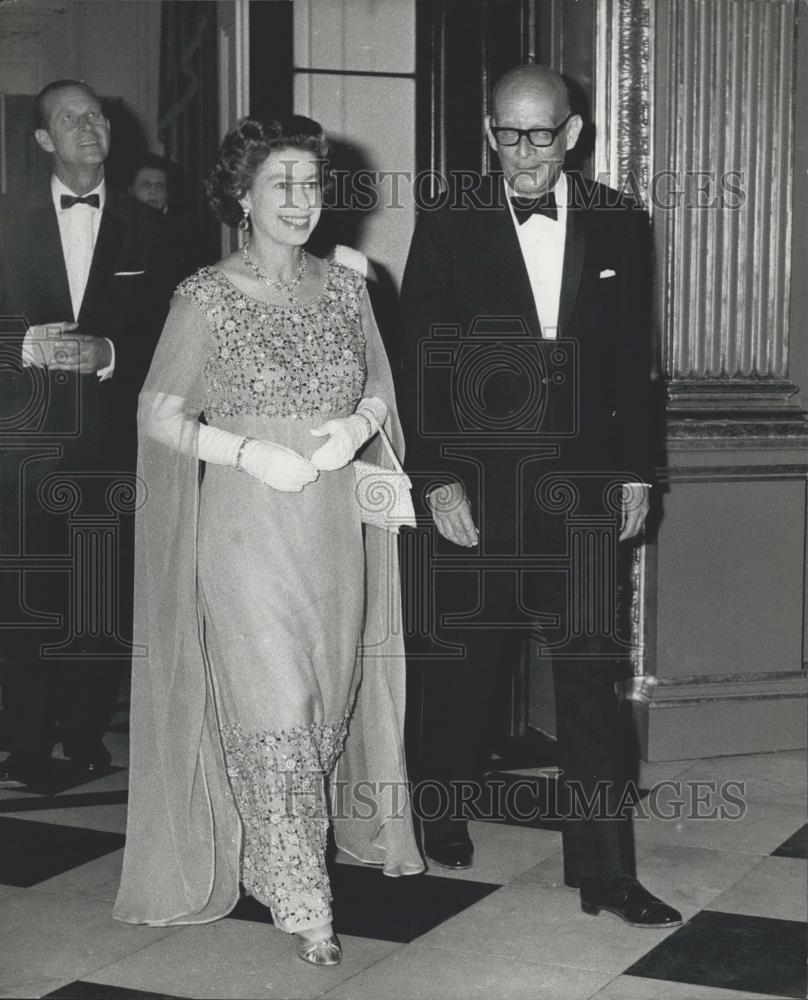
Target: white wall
118,54
374,114
112,44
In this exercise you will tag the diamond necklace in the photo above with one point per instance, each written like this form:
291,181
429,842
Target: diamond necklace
289,287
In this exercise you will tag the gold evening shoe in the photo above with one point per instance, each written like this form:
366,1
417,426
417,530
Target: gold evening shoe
324,951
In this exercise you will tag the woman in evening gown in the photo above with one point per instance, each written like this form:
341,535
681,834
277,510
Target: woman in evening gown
269,658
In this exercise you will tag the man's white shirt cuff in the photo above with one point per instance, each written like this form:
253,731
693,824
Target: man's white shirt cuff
105,373
31,355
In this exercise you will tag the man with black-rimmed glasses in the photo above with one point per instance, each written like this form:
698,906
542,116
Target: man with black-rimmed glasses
526,394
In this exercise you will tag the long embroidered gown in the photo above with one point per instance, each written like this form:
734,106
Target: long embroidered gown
281,576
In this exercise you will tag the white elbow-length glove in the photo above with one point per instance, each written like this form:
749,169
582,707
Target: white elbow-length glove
346,435
269,463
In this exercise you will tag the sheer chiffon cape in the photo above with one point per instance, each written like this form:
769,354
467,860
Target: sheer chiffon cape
183,843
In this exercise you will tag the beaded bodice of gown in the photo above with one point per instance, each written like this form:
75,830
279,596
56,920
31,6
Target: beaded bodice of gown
294,361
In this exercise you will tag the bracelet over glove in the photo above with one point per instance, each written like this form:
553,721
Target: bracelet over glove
165,420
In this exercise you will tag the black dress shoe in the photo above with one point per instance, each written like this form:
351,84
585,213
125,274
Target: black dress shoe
449,848
629,900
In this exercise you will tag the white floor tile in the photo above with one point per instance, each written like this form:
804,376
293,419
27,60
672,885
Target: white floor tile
776,887
522,920
776,777
637,988
236,959
107,818
549,872
689,878
762,827
98,878
416,972
29,984
64,936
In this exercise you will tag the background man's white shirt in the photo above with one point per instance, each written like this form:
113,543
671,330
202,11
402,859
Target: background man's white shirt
78,232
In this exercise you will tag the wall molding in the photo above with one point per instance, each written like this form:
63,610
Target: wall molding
624,84
710,716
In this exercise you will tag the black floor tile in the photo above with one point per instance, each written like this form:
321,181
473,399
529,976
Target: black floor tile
98,991
369,904
64,775
30,852
732,951
38,803
796,846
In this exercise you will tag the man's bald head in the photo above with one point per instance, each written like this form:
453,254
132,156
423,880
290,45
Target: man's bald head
531,80
531,128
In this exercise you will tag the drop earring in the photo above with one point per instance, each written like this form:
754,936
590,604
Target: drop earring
244,221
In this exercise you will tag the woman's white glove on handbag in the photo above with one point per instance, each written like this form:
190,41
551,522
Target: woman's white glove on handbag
348,434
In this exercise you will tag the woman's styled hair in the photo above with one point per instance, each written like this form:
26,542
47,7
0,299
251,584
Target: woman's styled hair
245,148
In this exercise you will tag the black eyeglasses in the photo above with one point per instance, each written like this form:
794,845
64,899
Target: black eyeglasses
540,137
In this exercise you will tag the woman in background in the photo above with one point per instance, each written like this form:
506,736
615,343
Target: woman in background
261,605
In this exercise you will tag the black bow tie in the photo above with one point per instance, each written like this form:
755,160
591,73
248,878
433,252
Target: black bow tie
69,200
523,208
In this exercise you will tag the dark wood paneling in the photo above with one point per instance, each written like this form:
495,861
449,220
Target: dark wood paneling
463,47
27,167
271,57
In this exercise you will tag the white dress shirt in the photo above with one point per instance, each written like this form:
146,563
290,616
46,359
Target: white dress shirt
78,232
542,243
78,229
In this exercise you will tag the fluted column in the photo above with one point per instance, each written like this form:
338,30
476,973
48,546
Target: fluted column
721,197
699,104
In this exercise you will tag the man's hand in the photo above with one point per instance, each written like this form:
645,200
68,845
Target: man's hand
451,512
81,353
39,347
635,510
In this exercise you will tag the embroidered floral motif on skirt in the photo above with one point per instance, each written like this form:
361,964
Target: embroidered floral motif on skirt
278,781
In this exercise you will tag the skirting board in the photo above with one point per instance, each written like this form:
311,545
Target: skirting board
719,716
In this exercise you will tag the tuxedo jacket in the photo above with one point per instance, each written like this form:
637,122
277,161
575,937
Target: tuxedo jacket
480,386
89,422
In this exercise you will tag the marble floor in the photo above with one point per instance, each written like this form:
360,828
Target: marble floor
506,928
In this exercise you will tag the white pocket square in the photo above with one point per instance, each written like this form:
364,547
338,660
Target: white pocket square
608,273
128,274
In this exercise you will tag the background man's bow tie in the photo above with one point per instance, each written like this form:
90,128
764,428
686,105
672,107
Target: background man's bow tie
523,208
69,200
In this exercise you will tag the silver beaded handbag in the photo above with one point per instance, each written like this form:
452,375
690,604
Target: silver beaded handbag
384,494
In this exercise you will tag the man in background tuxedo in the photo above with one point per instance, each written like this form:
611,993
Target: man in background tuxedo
525,388
82,296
